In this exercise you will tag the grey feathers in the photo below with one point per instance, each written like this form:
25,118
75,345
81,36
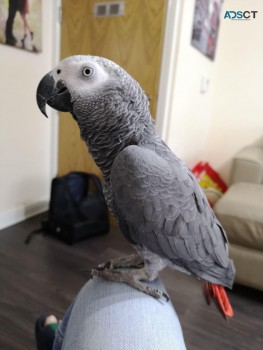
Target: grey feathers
164,210
153,195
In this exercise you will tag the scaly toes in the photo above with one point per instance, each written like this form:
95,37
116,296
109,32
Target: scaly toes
107,265
156,293
94,272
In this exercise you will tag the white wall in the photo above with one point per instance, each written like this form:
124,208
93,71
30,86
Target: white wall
237,112
25,135
191,110
212,126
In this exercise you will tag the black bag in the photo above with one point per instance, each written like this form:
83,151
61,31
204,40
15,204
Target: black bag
77,208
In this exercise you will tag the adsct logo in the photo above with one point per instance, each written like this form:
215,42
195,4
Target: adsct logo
240,15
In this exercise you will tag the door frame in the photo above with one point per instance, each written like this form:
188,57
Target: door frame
168,67
54,120
167,74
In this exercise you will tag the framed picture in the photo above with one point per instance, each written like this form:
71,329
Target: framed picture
206,26
20,24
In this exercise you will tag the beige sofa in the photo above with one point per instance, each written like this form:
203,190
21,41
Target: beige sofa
240,210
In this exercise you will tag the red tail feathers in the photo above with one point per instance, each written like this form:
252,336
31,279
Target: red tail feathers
218,293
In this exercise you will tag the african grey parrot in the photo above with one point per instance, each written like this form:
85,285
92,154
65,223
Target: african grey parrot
155,198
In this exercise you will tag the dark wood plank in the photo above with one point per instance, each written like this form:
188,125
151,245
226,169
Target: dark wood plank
45,276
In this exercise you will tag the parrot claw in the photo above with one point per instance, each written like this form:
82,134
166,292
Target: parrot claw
107,265
94,272
130,261
132,277
156,293
166,296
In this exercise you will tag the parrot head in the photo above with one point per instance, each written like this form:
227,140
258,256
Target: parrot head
96,91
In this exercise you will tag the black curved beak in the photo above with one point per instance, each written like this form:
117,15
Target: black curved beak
56,95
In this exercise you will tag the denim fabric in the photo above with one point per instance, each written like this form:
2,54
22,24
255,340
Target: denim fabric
60,332
114,316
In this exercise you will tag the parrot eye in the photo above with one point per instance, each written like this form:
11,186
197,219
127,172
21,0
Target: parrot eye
87,71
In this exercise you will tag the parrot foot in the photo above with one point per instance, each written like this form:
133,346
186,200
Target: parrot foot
130,261
132,277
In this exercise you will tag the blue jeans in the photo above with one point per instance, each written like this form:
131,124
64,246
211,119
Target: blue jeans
113,316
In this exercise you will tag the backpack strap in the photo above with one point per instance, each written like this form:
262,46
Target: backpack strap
95,180
45,229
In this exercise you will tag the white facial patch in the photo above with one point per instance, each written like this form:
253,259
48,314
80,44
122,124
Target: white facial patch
74,71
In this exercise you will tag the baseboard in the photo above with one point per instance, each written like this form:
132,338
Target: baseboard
16,215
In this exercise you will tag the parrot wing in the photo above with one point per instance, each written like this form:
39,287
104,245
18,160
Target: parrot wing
160,206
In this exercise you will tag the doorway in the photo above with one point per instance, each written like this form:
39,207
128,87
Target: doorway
134,40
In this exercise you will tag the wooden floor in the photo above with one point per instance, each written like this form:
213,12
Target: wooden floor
46,275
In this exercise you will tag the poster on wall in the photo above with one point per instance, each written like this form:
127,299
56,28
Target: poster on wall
20,24
206,26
